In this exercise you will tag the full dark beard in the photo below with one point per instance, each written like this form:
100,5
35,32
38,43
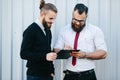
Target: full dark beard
45,24
77,29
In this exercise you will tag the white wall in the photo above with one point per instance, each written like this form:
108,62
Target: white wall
16,15
0,40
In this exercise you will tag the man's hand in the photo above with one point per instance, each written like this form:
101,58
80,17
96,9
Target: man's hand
51,56
52,75
79,54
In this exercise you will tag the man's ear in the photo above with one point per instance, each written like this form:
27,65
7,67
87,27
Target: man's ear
42,14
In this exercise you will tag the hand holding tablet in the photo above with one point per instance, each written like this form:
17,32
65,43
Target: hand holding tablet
64,54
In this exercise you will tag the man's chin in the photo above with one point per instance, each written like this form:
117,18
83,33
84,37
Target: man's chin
48,27
77,29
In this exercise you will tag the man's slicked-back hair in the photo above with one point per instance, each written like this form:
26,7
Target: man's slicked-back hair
81,8
47,6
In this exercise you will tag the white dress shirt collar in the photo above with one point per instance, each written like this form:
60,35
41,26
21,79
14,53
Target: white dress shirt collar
40,25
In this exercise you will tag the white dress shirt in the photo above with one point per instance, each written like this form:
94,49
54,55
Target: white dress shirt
91,38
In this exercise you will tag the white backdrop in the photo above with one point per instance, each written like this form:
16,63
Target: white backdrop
16,15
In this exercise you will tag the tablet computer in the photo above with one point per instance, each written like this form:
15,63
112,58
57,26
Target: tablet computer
65,54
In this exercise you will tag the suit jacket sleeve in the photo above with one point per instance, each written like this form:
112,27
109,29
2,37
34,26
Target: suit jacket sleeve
27,52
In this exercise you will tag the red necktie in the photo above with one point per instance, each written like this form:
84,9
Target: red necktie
75,47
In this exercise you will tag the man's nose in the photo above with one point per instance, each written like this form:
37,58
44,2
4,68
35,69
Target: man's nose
78,23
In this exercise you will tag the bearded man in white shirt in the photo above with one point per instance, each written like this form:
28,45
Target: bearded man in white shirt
89,39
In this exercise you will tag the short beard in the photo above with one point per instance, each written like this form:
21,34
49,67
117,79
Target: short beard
45,24
77,29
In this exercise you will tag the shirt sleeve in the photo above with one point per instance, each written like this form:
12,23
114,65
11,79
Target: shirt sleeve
99,40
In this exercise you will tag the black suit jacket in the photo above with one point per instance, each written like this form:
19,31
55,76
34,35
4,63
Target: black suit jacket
34,48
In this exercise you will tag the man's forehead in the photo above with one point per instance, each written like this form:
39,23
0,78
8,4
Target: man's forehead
51,13
79,16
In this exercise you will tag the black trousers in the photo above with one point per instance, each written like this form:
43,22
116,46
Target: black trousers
29,77
87,75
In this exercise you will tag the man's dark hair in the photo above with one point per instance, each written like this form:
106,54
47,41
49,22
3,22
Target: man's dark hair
47,6
81,8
